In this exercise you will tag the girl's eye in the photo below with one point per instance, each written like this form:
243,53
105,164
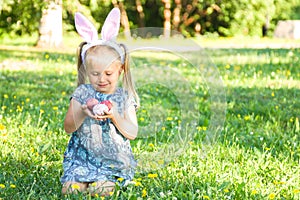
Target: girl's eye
108,73
95,74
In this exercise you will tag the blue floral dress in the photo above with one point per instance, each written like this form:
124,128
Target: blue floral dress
97,151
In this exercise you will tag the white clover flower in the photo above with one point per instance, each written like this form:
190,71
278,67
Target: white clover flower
162,195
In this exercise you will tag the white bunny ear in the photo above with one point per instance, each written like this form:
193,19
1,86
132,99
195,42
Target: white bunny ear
111,25
85,28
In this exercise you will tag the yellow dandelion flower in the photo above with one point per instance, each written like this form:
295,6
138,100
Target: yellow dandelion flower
267,148
63,93
137,183
276,107
74,72
2,186
239,116
111,193
296,191
75,186
227,66
12,186
55,108
160,162
96,195
169,118
253,192
204,128
163,128
144,111
247,117
42,102
226,190
94,184
142,119
273,94
4,134
237,68
102,198
272,196
42,111
2,127
144,193
27,99
120,179
3,107
47,56
151,145
5,96
152,175
278,182
205,197
19,108
199,128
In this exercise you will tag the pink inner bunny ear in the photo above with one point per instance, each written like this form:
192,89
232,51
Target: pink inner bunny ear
111,25
85,28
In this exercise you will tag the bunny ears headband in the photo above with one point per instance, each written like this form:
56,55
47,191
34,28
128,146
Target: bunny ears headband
109,32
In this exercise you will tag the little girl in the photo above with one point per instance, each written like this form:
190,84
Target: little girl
99,152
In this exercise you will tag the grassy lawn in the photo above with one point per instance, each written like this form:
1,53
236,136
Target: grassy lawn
214,124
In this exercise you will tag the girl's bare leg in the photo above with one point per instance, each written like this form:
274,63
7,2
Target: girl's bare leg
102,188
73,187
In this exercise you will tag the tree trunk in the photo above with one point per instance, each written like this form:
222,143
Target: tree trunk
139,8
124,18
176,15
167,15
50,30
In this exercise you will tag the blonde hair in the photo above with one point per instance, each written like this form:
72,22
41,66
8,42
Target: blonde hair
127,80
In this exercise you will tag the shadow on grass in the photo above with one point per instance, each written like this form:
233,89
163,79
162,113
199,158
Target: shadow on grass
39,54
264,118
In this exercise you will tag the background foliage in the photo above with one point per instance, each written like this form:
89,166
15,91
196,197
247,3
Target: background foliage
219,17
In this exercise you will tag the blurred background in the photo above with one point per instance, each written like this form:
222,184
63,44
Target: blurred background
49,22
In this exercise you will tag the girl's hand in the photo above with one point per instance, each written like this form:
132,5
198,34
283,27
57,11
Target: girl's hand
104,117
87,111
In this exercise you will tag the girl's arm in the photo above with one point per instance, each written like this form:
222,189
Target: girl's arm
127,125
75,116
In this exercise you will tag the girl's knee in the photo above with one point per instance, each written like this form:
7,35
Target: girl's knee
73,187
102,188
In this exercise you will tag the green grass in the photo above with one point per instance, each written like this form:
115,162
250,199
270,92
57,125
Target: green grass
256,156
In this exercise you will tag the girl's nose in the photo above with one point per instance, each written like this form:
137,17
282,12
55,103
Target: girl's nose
101,77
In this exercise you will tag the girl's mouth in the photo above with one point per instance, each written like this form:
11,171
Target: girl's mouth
102,85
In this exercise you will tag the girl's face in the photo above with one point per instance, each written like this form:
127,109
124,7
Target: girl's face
103,72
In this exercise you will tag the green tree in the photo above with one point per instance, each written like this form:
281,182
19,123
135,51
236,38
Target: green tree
20,17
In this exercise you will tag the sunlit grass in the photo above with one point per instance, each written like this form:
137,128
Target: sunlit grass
256,157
